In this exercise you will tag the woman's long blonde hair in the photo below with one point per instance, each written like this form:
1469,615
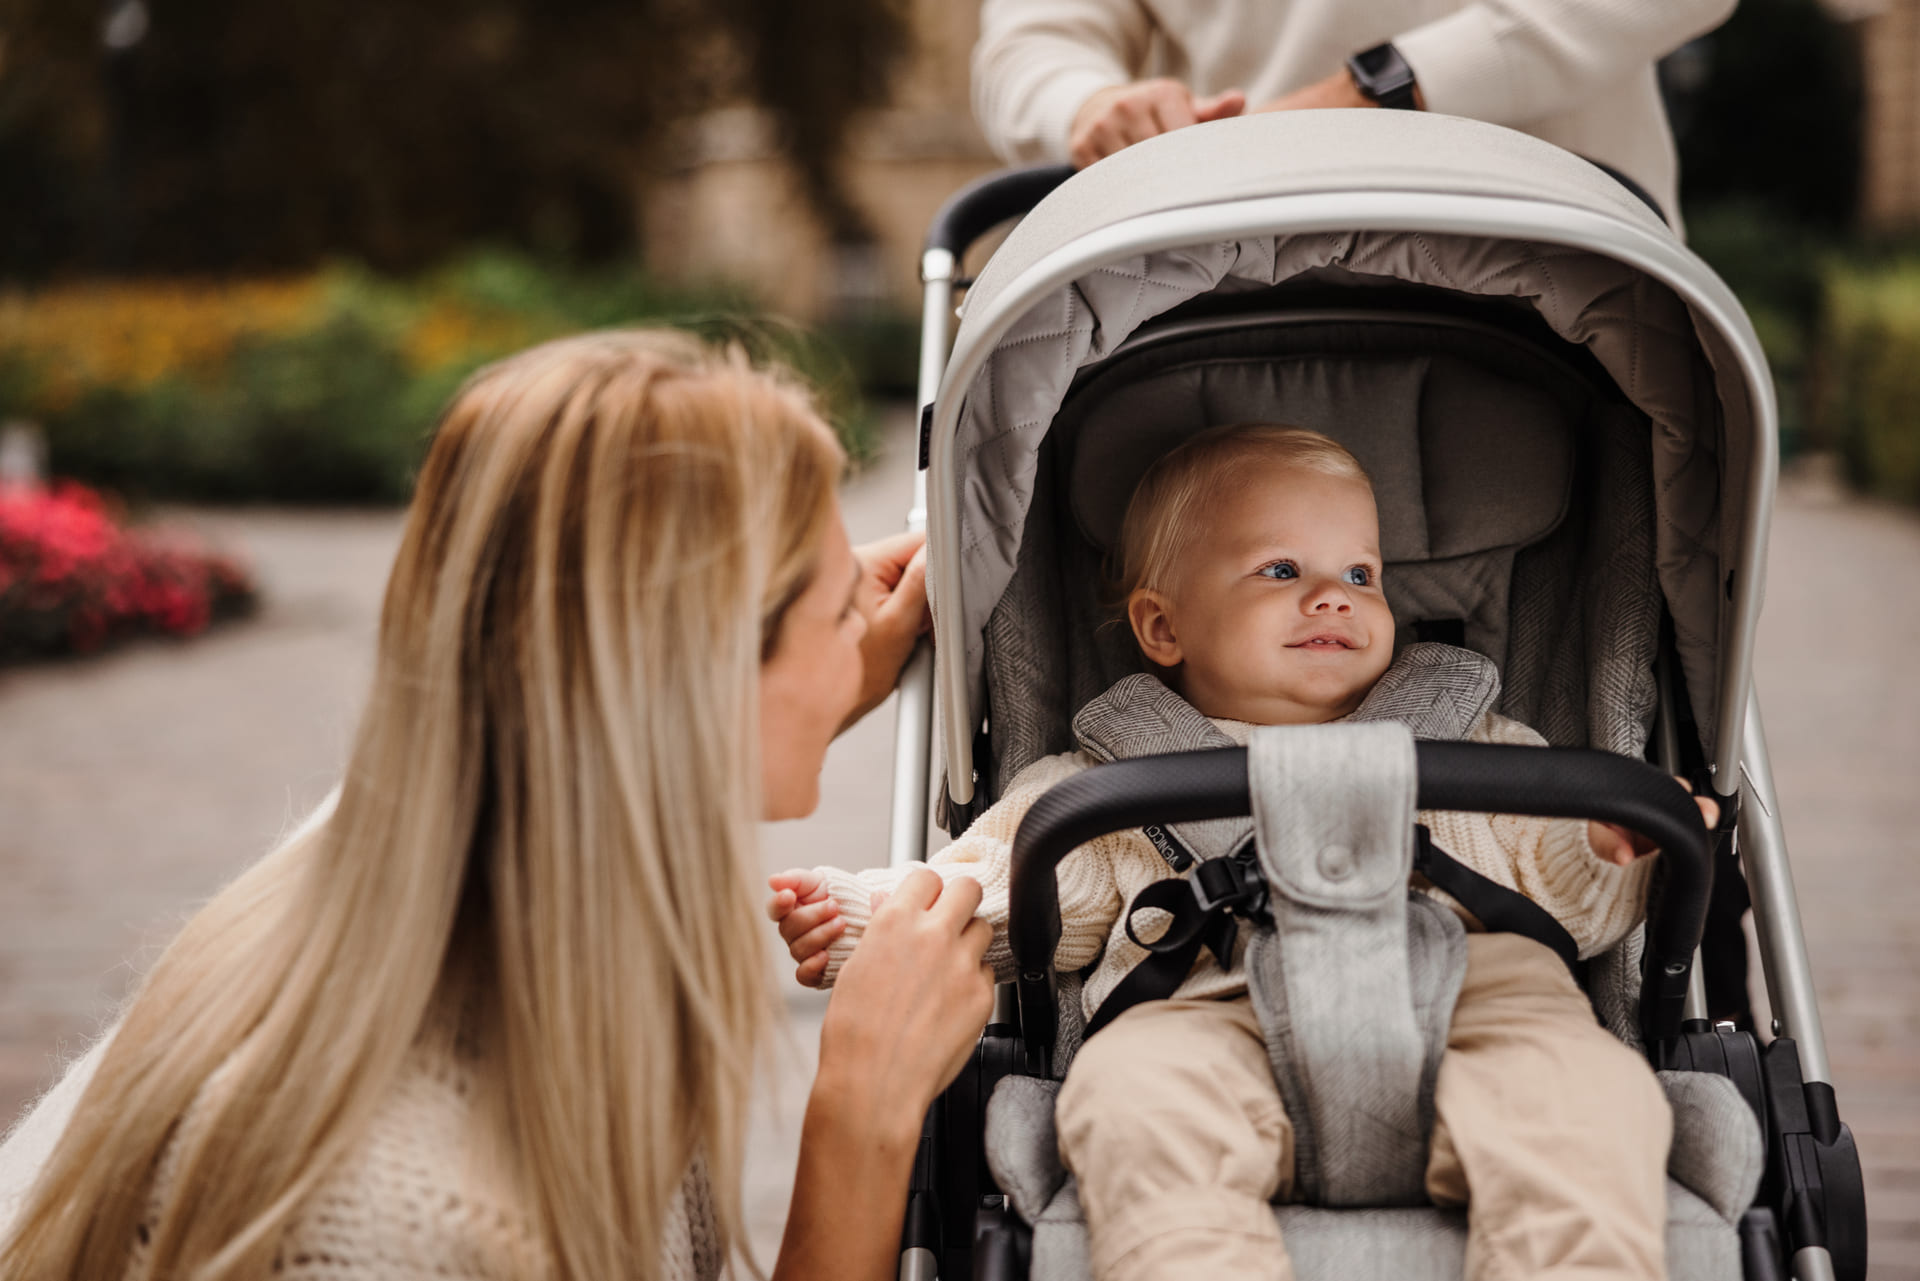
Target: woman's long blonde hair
550,806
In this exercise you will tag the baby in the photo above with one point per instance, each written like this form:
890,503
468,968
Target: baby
1251,567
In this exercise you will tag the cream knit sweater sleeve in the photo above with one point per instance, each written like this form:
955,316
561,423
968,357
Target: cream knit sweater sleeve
1089,894
1548,860
1582,70
1512,61
1038,60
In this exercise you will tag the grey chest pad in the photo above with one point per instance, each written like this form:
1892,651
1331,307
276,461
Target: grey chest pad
1355,978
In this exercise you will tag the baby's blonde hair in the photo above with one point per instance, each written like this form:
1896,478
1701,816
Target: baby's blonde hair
1167,504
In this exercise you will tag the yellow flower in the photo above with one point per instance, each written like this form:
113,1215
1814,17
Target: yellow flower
129,335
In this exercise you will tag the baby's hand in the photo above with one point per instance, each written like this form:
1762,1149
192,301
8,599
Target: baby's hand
1616,845
808,918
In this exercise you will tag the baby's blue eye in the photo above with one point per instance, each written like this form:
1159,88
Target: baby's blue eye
1358,576
1279,569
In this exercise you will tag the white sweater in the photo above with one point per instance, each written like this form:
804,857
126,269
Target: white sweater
1578,73
1547,860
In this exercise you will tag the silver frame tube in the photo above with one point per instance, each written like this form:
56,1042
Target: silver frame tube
1659,256
1776,910
914,716
1813,1263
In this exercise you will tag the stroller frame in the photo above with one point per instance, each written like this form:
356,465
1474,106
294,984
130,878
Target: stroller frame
1739,771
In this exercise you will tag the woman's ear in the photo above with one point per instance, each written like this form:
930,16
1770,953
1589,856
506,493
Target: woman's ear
1152,623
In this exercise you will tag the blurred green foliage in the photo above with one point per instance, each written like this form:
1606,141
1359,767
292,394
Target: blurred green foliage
325,389
1767,116
1839,317
171,136
1775,264
1868,403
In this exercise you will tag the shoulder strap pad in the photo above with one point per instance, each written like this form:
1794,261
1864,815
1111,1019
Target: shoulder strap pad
1437,691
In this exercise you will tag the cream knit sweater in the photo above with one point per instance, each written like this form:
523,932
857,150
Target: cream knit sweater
1547,860
423,1195
1578,73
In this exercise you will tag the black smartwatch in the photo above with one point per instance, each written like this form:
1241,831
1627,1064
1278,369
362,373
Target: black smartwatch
1384,76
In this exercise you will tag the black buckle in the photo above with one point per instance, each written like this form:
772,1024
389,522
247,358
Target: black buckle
1232,883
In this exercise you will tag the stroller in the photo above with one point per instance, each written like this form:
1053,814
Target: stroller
1572,433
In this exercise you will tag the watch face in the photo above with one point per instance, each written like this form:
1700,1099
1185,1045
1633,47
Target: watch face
1376,60
1383,75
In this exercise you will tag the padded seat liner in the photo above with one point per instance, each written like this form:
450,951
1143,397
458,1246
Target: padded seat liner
1469,443
1716,1148
1491,468
1393,1244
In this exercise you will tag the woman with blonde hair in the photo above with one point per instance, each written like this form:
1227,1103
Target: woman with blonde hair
496,1011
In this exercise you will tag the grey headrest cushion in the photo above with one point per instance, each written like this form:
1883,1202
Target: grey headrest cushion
1462,459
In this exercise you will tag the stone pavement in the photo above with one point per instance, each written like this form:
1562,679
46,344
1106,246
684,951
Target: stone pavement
133,785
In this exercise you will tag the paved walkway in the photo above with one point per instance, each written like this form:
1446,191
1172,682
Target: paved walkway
131,786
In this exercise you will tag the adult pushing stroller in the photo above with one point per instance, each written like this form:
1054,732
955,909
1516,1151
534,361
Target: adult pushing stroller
1571,430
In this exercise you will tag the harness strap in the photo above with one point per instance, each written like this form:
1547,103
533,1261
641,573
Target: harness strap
1204,911
1501,910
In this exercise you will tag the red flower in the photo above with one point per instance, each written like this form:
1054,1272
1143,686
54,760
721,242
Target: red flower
71,578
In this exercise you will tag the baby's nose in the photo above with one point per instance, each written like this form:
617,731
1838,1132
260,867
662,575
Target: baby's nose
1331,599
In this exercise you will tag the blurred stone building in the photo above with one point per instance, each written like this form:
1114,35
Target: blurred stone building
731,208
1890,72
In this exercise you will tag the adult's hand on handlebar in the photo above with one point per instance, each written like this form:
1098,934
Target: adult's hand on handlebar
893,596
1117,117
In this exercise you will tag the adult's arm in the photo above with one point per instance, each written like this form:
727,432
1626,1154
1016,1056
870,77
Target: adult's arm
1514,61
905,1015
1037,61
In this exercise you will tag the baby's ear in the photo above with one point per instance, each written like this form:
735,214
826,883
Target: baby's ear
1152,622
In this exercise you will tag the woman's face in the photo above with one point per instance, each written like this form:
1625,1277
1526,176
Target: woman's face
812,683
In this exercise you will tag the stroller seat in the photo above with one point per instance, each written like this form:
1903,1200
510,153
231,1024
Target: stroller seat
1321,964
1713,1174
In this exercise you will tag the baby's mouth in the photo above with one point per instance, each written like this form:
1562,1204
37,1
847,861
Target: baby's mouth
1324,641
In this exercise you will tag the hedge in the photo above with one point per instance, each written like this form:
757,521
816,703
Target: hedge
1868,403
325,388
1840,322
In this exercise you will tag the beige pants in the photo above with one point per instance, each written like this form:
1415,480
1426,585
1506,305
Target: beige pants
1552,1134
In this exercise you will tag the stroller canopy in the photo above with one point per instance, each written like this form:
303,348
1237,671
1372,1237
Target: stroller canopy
1363,198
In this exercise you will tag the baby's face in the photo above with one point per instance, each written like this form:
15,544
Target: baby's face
1274,613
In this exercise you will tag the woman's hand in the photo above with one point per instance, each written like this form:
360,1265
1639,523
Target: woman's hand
893,597
911,1000
905,1014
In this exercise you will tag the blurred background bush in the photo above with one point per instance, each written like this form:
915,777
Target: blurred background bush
322,387
1796,125
1869,386
247,250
